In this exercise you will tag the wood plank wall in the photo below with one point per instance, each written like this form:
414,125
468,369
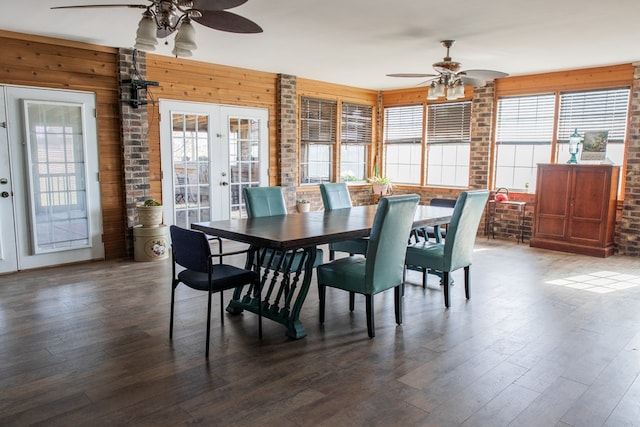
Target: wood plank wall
187,80
60,64
360,194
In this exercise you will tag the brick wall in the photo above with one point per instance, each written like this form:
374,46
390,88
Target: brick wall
135,143
287,137
628,229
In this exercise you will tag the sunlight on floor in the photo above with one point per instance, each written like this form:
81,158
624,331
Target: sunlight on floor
601,282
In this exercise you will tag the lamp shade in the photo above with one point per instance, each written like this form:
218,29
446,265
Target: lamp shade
146,34
182,53
431,94
186,37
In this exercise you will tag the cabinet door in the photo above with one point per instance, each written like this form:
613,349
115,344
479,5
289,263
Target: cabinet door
589,204
552,204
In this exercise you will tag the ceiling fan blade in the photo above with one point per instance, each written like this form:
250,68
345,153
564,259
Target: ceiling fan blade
483,74
134,6
227,21
216,4
413,75
471,81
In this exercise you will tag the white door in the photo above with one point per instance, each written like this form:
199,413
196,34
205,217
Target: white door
8,255
50,163
209,153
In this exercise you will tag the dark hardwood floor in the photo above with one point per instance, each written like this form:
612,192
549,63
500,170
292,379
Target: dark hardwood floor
88,345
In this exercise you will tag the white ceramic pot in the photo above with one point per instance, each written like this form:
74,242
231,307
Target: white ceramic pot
379,189
303,207
150,216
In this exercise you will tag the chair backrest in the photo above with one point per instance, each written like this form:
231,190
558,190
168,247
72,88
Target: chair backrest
190,249
335,195
445,203
264,201
388,241
463,228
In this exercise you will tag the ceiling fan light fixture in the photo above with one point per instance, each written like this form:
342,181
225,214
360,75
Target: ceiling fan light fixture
181,53
186,37
431,93
144,46
146,33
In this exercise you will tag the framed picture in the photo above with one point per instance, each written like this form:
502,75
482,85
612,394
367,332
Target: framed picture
594,145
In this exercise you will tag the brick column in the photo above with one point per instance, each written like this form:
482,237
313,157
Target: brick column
481,125
629,225
287,136
135,143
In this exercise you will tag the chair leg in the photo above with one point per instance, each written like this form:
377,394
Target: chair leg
322,294
259,308
424,277
445,287
332,255
173,297
467,283
352,301
371,327
221,308
397,294
206,353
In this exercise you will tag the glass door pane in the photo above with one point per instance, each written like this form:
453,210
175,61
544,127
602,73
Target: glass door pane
57,180
244,160
191,168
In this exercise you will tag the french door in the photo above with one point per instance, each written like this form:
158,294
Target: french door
49,189
209,153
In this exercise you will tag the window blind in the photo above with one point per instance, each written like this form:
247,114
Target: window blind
403,125
318,121
525,119
449,123
594,111
356,124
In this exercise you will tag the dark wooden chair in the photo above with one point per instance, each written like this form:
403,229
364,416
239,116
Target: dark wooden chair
191,250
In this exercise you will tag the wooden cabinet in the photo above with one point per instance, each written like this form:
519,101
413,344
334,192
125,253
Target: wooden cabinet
576,208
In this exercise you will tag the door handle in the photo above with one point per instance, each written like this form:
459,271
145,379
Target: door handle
4,194
224,183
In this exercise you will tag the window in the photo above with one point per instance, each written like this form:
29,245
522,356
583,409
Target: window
596,110
317,138
448,137
354,142
524,133
525,124
403,143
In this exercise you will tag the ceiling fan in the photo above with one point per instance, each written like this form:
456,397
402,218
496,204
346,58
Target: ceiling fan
450,80
162,17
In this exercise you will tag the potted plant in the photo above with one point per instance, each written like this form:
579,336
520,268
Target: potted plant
303,205
380,185
150,213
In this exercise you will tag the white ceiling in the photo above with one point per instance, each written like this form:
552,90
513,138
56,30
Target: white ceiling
357,42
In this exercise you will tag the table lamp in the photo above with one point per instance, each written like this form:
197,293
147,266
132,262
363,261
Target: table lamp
574,146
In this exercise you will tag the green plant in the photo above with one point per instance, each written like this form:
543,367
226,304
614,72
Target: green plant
151,202
378,180
302,201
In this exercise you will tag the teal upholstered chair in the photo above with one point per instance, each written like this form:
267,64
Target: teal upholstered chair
457,250
264,201
269,201
382,267
336,196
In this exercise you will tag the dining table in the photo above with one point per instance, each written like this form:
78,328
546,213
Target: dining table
283,248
